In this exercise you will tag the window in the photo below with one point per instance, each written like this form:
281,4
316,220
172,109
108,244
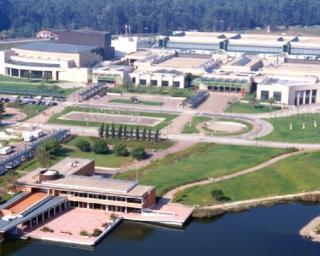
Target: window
133,80
314,96
176,84
165,83
154,82
264,95
277,96
307,100
143,82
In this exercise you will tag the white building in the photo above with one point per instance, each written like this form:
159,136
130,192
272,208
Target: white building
289,91
124,45
114,74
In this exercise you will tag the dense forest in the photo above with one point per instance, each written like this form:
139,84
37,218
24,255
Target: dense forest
24,17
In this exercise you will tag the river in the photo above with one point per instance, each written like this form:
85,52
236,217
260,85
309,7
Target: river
261,231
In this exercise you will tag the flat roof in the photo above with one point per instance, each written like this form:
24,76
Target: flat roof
183,62
55,47
98,184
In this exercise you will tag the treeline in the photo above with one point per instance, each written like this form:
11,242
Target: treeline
25,17
110,131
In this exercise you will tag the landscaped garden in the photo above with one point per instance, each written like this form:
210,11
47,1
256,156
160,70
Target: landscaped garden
302,128
191,127
296,174
200,162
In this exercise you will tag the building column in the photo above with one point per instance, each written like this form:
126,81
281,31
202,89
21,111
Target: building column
19,73
304,97
30,223
10,71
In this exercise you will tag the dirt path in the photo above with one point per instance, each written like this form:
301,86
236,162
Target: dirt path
169,195
177,124
16,113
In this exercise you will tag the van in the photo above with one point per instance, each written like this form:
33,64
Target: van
5,150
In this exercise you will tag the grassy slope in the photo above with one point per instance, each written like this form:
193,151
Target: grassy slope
239,107
55,118
296,174
282,130
200,162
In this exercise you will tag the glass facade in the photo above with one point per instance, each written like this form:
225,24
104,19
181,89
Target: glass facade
264,95
193,46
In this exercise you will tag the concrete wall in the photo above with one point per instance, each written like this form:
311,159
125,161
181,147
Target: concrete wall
80,75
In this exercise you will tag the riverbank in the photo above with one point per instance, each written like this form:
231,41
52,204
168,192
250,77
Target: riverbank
217,210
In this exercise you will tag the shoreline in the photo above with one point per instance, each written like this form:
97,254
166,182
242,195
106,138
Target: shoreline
245,205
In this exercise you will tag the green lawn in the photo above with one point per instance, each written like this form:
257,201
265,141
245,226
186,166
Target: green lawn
29,109
282,132
21,86
142,102
200,162
161,145
293,175
239,107
191,127
55,118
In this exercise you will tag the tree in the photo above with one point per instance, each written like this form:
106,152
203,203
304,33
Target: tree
157,135
131,132
113,131
120,132
149,134
28,75
144,133
271,102
101,130
42,156
125,131
138,153
100,147
120,149
46,76
83,145
106,132
137,132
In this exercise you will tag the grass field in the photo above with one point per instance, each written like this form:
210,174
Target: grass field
161,145
200,162
191,127
22,86
141,102
282,132
29,109
293,175
239,107
55,118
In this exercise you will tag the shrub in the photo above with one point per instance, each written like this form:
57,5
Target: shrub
219,196
84,233
100,147
138,153
97,232
120,149
83,145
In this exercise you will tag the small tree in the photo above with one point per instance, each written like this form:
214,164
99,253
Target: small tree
100,147
138,153
125,130
120,132
83,145
42,156
28,75
106,132
131,132
149,134
157,135
101,130
144,133
137,132
120,149
113,131
271,102
46,76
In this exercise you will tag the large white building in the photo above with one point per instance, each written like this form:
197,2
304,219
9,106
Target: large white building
289,91
58,61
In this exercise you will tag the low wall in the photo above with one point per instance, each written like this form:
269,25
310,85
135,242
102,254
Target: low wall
216,210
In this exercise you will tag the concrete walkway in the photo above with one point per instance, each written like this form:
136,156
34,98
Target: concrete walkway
171,193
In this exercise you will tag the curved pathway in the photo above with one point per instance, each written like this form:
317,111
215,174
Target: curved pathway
169,195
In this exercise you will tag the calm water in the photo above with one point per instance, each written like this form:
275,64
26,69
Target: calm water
262,231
